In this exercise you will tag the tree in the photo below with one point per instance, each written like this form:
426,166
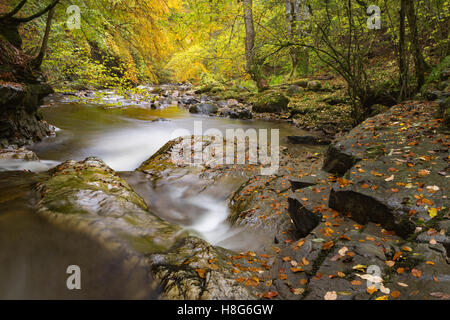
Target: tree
296,15
403,68
253,65
9,25
419,61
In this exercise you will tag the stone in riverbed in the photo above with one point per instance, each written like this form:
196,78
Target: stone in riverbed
310,140
91,198
204,108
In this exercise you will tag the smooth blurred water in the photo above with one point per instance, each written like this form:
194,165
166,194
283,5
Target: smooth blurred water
33,254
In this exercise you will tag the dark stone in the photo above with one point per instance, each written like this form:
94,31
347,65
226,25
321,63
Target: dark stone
311,140
203,108
305,220
337,161
240,114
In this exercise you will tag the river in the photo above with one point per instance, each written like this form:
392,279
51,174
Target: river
34,255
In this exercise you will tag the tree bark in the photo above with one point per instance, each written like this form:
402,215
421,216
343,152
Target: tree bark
253,69
40,57
403,70
419,61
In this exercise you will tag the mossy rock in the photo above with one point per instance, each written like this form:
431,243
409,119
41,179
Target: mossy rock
314,85
303,83
270,102
377,109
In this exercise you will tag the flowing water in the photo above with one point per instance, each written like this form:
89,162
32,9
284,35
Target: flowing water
34,255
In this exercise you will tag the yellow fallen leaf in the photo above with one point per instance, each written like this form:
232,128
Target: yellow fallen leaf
432,212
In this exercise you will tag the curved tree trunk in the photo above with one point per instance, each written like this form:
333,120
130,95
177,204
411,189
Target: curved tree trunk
40,57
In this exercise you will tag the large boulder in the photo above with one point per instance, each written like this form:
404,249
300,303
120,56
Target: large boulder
395,168
270,102
89,197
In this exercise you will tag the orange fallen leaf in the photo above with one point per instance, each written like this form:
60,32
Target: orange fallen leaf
201,272
416,273
270,294
327,245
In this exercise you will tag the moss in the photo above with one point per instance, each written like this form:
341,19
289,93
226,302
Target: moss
270,101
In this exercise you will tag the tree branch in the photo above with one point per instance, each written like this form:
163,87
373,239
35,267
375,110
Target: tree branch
15,10
38,14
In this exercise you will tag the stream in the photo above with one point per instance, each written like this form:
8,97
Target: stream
34,255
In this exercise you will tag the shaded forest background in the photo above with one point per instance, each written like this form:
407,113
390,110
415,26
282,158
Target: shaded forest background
251,44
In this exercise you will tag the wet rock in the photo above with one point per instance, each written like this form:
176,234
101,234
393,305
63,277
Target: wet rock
304,216
243,114
195,270
17,153
204,108
338,160
90,197
319,177
310,140
391,178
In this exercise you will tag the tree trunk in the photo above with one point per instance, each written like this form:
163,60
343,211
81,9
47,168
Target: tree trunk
253,69
296,13
419,61
403,70
40,57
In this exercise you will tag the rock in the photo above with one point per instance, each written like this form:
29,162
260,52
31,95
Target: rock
224,111
433,95
338,161
314,85
232,102
293,90
243,114
386,167
309,180
204,108
303,83
303,214
89,197
270,102
18,153
195,270
444,112
334,100
310,140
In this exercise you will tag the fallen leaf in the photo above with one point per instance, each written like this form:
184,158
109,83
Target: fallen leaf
440,295
201,273
297,291
416,273
423,172
270,294
330,295
343,251
327,245
395,294
371,289
432,212
390,263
